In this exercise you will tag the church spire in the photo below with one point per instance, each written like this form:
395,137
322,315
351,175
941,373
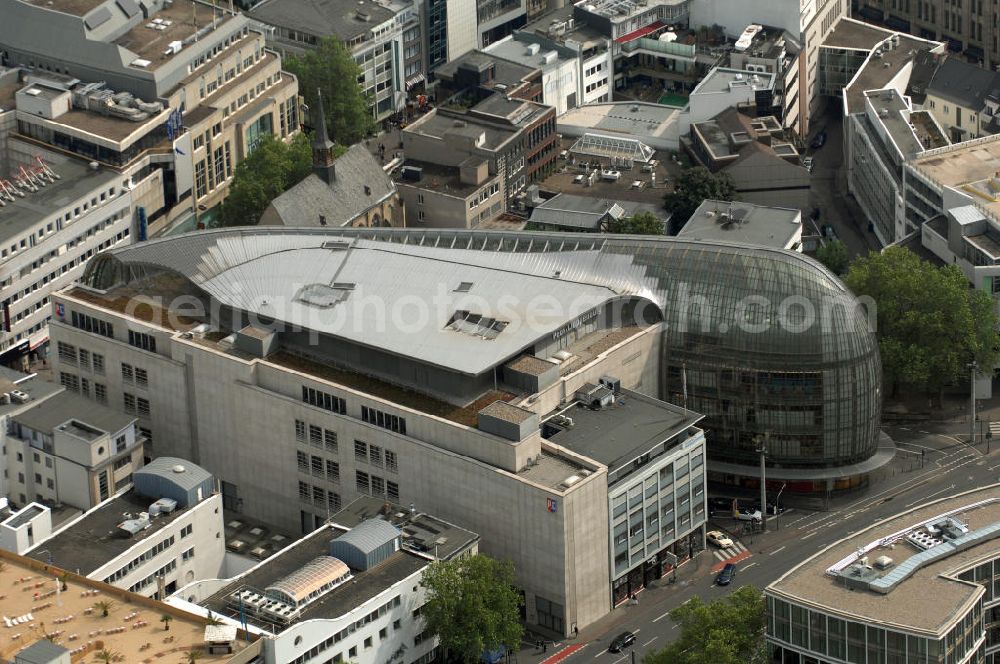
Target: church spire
322,147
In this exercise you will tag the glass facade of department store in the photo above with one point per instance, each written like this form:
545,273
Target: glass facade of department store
797,635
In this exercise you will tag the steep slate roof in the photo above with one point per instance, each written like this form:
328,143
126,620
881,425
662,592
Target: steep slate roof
965,84
341,202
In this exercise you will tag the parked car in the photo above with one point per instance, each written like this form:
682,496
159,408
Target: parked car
622,641
612,176
749,514
727,575
808,163
819,140
717,538
579,178
650,166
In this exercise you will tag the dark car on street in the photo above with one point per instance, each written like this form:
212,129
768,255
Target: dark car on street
727,575
622,641
819,140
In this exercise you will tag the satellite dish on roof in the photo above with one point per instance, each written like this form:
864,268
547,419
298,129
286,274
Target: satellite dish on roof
178,468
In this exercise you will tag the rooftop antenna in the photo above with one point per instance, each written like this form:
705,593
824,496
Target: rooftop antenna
194,18
215,13
232,12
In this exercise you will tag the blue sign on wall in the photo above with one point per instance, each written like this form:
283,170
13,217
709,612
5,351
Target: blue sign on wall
552,504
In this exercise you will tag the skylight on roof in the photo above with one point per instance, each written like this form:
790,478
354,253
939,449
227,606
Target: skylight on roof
323,296
464,287
476,325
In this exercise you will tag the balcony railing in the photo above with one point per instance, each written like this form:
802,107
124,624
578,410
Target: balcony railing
685,51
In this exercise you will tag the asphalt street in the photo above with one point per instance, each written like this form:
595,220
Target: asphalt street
948,466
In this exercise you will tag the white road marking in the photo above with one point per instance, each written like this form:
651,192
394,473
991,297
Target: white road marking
746,567
661,617
805,537
926,498
650,641
780,548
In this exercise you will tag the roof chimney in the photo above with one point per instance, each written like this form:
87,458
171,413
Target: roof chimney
322,146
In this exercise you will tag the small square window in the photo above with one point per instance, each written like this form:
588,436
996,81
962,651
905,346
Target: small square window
368,642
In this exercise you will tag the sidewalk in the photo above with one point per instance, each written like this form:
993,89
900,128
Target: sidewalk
652,603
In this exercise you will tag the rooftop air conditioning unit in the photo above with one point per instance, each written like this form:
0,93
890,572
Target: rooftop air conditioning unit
17,396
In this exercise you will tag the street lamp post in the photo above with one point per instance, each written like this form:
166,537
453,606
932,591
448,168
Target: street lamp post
972,383
762,450
777,507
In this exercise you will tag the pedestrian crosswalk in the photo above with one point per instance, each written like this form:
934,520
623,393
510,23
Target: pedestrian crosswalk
995,429
730,551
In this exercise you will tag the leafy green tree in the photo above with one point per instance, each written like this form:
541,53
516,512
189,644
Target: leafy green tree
729,630
833,254
930,322
330,68
693,186
269,170
472,606
641,223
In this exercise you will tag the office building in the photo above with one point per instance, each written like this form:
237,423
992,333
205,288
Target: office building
348,591
966,28
917,587
745,224
449,138
63,621
132,120
950,197
385,39
450,29
162,534
465,196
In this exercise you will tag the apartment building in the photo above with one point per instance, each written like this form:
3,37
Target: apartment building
67,450
385,39
964,98
162,534
348,591
869,595
132,627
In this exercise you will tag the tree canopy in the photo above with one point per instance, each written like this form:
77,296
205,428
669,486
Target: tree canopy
472,606
693,186
729,630
265,173
834,255
641,223
330,68
931,323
